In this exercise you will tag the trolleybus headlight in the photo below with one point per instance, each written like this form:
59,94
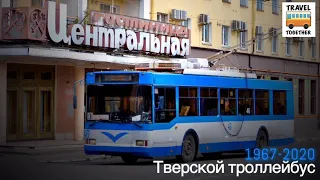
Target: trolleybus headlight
141,143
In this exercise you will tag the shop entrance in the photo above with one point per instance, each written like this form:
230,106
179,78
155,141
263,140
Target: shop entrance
30,102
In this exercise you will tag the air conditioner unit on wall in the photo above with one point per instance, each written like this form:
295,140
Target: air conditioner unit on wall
175,14
183,15
272,31
203,19
235,26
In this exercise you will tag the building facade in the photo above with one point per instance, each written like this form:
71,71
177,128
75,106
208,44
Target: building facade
38,89
38,75
214,28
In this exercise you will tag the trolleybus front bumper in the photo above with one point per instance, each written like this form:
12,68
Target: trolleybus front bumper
147,152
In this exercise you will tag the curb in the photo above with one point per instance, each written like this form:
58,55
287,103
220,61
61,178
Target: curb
80,160
38,151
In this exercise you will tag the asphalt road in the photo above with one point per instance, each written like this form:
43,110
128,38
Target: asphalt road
31,167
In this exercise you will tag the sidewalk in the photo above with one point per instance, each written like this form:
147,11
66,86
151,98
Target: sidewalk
51,151
306,130
41,147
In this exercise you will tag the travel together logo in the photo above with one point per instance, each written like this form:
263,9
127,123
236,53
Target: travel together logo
299,19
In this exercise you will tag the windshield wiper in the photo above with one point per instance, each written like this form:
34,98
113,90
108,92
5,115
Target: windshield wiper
108,121
140,123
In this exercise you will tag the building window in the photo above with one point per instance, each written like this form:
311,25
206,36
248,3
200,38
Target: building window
243,39
37,3
260,5
29,75
313,94
275,6
279,103
161,17
301,96
262,102
206,33
259,40
188,101
301,47
13,3
225,35
46,76
244,3
208,101
274,43
106,8
186,23
288,46
12,74
313,48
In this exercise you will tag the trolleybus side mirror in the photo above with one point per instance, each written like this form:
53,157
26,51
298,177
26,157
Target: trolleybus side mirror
161,102
156,97
74,102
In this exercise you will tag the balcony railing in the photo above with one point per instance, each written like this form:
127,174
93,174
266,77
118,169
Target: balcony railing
24,23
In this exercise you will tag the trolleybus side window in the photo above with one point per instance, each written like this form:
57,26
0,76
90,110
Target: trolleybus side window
188,101
165,105
208,101
228,102
279,103
245,98
262,102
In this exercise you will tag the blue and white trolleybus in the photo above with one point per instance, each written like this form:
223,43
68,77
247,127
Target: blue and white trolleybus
149,114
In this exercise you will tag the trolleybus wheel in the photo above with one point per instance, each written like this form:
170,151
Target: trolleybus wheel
261,142
262,139
188,149
291,26
129,159
306,26
212,156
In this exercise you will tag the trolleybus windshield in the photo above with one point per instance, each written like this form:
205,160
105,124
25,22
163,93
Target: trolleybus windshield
119,102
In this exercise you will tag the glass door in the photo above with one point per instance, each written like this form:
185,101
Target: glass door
29,122
45,113
12,114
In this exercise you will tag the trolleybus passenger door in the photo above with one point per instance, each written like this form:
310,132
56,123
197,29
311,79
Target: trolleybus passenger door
164,113
232,121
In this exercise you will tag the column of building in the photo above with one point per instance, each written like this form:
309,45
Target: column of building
80,87
79,111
